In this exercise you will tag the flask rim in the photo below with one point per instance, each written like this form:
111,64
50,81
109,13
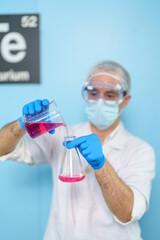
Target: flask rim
69,138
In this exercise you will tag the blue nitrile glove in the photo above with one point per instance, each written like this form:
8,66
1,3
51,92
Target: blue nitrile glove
91,149
33,107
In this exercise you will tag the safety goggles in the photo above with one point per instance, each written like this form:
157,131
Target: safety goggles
112,94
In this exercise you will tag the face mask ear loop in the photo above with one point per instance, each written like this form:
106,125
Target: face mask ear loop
121,109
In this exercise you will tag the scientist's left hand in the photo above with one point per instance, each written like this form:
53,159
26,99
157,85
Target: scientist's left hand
91,149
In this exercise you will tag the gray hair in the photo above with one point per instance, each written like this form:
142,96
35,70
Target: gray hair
115,69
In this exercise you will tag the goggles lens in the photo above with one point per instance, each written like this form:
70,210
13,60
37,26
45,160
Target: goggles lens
111,94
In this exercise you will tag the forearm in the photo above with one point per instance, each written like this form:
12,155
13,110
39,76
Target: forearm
10,136
118,196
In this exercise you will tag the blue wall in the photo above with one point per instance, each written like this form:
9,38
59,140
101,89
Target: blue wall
74,35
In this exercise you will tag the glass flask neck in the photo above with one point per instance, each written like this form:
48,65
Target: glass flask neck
69,138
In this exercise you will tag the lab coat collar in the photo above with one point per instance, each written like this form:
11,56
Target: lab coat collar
117,138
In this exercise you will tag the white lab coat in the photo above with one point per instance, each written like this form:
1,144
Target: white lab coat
78,210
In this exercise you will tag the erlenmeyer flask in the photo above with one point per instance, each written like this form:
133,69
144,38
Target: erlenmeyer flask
71,168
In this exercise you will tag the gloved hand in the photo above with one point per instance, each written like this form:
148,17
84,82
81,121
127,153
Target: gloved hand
91,149
33,107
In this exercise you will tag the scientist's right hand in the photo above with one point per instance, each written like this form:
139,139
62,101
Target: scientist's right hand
33,107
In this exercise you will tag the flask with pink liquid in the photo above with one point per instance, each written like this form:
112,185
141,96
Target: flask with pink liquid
44,121
71,168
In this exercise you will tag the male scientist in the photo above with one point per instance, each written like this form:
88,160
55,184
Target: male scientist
119,167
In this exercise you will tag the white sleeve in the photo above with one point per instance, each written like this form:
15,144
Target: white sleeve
139,207
35,151
20,154
138,175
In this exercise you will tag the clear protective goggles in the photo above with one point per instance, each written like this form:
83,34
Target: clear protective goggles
112,94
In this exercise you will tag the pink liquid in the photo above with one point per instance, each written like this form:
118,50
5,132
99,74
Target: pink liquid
71,179
37,129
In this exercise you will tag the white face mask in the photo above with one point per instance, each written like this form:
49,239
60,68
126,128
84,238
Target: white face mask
101,115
